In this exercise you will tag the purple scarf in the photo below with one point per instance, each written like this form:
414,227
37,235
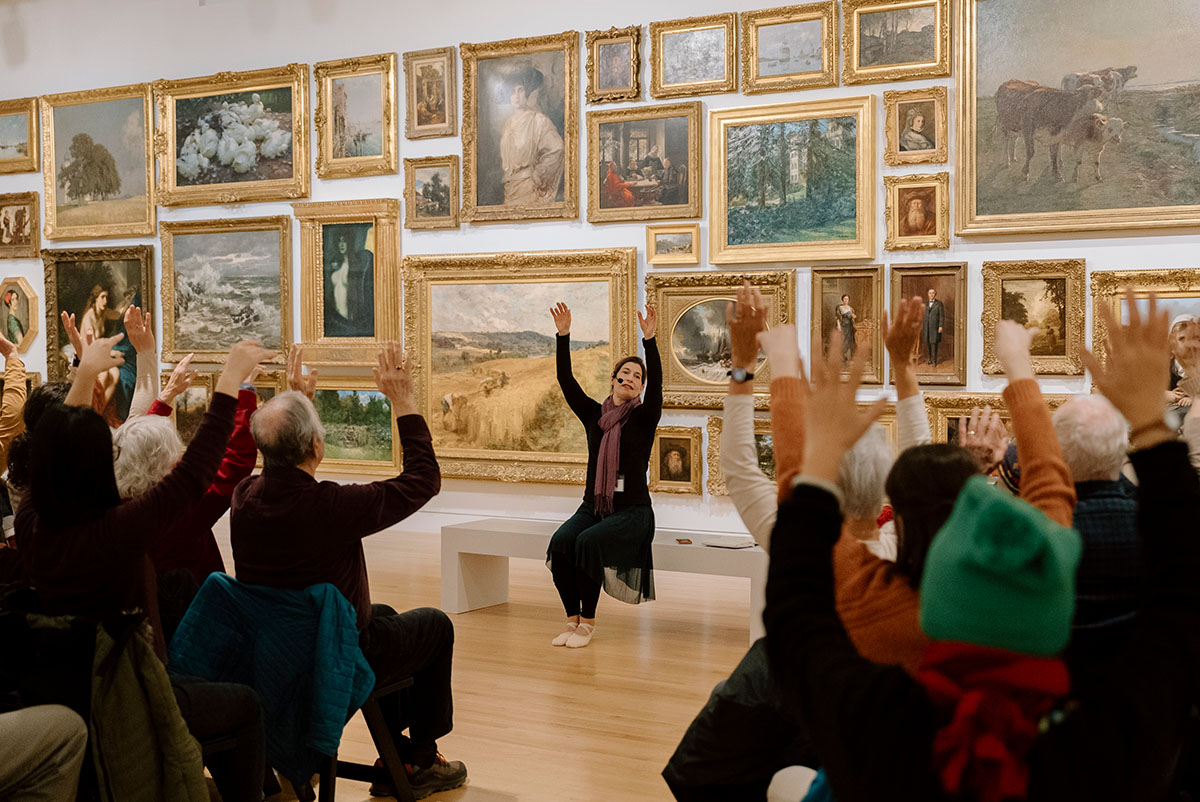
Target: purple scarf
612,418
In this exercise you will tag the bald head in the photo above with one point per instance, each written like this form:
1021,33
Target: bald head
288,430
1094,438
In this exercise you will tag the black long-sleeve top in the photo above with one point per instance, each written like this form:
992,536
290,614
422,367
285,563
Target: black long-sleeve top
873,725
637,434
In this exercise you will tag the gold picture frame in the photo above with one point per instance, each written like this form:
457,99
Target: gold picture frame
864,285
190,91
662,83
824,244
612,133
950,283
1066,281
715,484
900,147
692,480
594,41
333,137
28,161
382,241
250,325
853,49
945,409
1177,289
421,71
202,387
75,295
24,291
269,384
357,465
916,230
86,220
754,57
657,255
11,219
413,204
478,412
694,300
518,57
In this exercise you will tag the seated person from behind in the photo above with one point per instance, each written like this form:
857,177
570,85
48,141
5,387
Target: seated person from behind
289,530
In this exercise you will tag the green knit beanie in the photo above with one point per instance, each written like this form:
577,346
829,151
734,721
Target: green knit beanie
1000,574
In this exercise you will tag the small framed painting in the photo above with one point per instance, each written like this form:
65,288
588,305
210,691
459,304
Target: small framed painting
1177,290
269,384
784,49
190,405
917,208
673,245
946,411
693,56
915,127
942,353
356,116
1046,294
19,312
430,97
360,430
894,40
850,300
614,65
764,445
675,460
431,193
19,135
20,234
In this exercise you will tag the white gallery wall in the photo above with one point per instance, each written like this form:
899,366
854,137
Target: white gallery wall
49,46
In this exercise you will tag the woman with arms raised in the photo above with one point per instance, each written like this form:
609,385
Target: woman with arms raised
606,543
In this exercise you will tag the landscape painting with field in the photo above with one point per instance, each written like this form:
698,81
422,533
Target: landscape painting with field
792,181
1080,110
897,36
1040,303
14,136
100,163
358,424
493,384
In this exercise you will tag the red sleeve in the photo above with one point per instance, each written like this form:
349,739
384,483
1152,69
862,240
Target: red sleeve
159,408
241,452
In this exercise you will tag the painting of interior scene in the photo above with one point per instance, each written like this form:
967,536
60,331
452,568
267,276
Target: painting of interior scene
939,302
643,163
1040,303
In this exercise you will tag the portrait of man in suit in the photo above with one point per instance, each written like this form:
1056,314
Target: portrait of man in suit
931,327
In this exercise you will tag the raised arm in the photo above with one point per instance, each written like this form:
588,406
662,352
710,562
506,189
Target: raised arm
789,393
580,403
140,330
653,399
901,338
12,407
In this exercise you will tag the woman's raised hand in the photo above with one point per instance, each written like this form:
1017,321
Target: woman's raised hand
1138,366
648,322
181,379
140,330
240,364
562,318
296,379
73,337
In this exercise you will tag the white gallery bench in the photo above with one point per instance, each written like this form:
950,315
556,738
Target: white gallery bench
475,561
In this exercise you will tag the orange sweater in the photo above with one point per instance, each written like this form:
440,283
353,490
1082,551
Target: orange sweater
877,605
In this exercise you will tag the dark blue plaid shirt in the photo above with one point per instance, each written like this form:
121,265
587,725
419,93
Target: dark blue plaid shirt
1108,583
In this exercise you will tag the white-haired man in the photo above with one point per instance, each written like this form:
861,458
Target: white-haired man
290,531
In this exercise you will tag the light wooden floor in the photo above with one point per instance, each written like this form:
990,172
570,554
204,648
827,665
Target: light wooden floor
542,724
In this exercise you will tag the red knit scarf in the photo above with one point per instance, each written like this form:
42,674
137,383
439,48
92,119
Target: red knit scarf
998,698
612,418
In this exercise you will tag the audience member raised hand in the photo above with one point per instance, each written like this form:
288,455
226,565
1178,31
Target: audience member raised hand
783,353
73,336
984,435
240,363
180,379
140,330
97,357
746,318
7,348
1013,343
901,337
393,377
295,374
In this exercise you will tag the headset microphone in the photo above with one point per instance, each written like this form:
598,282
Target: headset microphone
620,380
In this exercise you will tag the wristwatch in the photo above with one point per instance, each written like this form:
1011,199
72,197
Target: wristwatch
740,375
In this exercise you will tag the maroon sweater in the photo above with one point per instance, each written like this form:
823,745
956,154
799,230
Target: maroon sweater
290,531
102,566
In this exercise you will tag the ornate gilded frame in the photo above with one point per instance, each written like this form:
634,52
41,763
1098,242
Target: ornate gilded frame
715,484
412,62
360,467
673,294
25,287
660,89
324,74
892,155
293,76
653,257
944,407
32,204
592,41
144,254
29,162
755,84
959,271
1108,289
411,221
873,370
659,485
55,230
615,266
384,215
861,247
940,238
168,232
938,67
1075,272
568,209
692,208
202,381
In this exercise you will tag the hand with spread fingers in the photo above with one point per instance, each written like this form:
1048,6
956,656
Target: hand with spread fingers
393,377
296,379
140,330
73,336
562,318
648,322
242,359
97,357
984,435
902,338
180,379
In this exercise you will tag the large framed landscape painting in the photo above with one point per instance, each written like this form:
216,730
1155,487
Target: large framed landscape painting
234,137
479,327
693,337
894,40
19,135
1177,289
97,285
360,430
793,182
224,281
941,356
356,116
1048,295
96,163
850,300
520,129
1075,120
789,48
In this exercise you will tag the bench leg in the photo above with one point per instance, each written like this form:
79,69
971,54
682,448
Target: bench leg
758,601
471,581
